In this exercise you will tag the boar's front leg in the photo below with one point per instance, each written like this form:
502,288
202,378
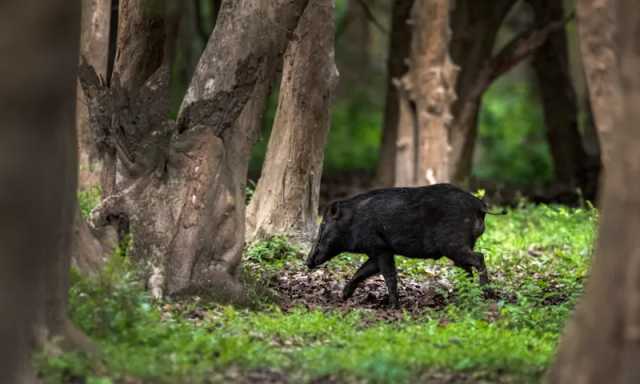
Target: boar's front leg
366,270
387,265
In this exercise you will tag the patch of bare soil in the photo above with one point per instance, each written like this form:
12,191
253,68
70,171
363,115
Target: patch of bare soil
322,289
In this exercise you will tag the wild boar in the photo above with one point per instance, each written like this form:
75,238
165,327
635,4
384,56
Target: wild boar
423,222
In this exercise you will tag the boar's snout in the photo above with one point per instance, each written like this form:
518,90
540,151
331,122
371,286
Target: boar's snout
311,259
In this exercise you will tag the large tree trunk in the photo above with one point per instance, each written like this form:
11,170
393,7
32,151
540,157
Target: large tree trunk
94,47
286,198
397,66
182,188
602,342
426,95
38,174
551,65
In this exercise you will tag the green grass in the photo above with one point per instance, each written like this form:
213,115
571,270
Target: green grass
538,257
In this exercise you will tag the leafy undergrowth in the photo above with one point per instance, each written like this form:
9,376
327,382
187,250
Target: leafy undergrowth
447,332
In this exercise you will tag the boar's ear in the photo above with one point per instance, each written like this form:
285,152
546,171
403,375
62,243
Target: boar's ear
334,210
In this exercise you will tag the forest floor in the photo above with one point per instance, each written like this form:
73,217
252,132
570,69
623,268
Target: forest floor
296,328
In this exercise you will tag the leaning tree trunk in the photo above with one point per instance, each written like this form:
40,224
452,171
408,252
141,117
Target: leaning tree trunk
602,342
426,94
182,183
596,32
286,198
474,28
38,174
94,47
399,48
559,101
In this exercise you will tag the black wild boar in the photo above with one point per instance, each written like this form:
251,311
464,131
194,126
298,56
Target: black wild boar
423,222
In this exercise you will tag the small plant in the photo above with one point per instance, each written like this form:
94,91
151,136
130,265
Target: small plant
88,199
276,248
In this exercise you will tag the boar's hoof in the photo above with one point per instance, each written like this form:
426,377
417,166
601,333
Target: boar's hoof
347,292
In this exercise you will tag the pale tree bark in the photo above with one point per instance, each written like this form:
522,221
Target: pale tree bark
182,187
94,47
397,66
426,95
602,342
596,33
559,101
286,198
38,174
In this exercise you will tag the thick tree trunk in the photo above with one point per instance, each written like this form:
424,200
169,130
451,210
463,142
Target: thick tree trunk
602,342
286,197
94,47
596,32
38,174
183,183
551,65
475,27
399,48
426,95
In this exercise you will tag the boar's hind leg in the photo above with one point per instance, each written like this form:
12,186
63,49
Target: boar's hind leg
366,270
466,259
387,265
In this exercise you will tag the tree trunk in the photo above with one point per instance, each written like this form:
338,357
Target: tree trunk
596,32
475,27
286,198
38,174
602,342
551,65
426,94
94,47
353,59
399,47
183,183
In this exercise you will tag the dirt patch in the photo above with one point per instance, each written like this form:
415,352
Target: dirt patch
322,289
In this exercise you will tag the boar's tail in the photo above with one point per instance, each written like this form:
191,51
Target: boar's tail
488,212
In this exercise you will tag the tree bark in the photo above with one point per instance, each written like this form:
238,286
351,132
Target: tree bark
475,27
604,345
559,101
38,174
397,66
286,198
596,32
353,59
94,47
182,191
426,95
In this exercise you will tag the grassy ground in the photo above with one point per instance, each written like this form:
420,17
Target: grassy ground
447,332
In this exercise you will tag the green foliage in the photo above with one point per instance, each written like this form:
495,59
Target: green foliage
277,249
88,199
511,146
538,257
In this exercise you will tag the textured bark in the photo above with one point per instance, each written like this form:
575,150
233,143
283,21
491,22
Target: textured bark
551,65
286,198
426,94
38,174
596,32
474,27
94,47
182,189
602,342
399,47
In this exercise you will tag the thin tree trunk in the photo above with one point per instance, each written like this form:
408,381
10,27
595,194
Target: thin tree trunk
426,93
38,174
551,65
183,183
399,47
475,27
94,47
596,32
602,342
353,59
286,197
